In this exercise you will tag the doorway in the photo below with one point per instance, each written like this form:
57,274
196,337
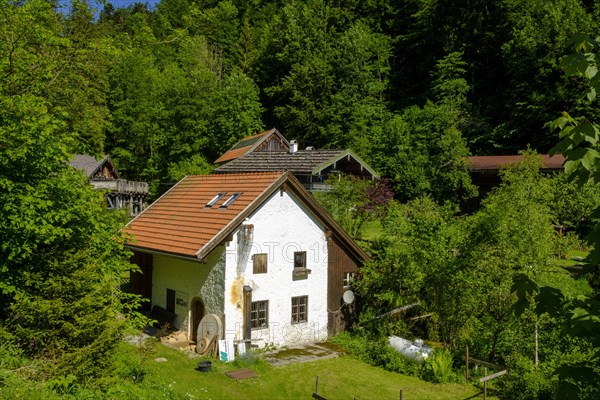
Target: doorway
197,309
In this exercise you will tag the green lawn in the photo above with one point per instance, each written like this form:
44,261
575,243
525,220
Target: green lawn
339,378
567,274
573,258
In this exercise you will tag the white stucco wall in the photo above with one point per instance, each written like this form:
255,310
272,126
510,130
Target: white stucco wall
190,279
281,227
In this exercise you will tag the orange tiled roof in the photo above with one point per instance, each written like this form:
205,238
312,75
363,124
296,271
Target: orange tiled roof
180,222
243,146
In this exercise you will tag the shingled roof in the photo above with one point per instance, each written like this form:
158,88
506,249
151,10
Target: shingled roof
181,222
491,163
88,164
248,144
302,162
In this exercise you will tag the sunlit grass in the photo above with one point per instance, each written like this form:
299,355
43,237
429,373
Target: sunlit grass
339,378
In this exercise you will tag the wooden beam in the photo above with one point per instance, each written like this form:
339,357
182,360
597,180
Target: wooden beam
485,363
394,311
420,316
485,384
247,316
492,376
467,364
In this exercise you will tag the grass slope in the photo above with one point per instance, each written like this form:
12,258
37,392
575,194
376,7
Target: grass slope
339,378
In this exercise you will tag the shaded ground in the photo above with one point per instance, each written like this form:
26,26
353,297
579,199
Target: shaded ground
277,357
292,354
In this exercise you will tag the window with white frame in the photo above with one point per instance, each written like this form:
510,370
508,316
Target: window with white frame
348,278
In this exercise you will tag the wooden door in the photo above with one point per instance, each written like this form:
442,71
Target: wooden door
197,315
141,282
339,263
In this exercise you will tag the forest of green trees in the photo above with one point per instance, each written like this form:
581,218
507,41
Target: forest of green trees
412,86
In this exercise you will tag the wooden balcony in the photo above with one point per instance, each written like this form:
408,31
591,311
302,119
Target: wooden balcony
318,186
121,186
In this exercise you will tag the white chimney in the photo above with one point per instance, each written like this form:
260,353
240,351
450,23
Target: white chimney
293,146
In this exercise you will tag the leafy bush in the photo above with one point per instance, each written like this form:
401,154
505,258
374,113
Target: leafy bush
64,385
437,367
377,352
566,243
526,381
11,357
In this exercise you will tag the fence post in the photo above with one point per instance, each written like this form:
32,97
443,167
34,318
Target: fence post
400,394
485,384
467,365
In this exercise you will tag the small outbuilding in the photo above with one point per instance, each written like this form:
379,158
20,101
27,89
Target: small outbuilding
253,249
121,193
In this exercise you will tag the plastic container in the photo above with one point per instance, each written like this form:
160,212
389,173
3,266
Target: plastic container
204,366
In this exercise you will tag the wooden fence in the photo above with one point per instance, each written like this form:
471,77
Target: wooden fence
501,371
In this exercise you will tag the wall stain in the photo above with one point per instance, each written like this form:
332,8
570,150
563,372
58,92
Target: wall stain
236,291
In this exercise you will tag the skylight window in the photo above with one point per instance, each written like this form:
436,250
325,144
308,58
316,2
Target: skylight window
215,199
231,200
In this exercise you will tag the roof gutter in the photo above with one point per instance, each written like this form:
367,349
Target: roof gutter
164,253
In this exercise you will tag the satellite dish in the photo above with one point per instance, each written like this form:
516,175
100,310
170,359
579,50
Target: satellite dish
209,327
348,297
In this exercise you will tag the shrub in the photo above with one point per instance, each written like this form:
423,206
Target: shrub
526,381
377,352
11,357
437,367
64,385
563,244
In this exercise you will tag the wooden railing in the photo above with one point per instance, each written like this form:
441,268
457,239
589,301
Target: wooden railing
318,186
121,186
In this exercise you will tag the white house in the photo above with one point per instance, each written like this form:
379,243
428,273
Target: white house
255,249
